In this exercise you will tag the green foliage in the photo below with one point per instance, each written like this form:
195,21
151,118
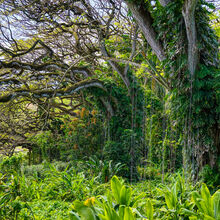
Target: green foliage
208,206
40,171
121,193
11,164
70,194
104,170
202,108
148,122
149,210
210,176
70,138
47,210
180,202
118,128
120,141
119,204
149,172
21,195
194,99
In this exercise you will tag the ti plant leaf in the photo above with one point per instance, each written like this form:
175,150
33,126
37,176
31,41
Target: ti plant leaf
84,211
149,210
116,188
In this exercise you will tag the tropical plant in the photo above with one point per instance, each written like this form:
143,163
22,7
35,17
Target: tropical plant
119,204
208,207
11,164
103,170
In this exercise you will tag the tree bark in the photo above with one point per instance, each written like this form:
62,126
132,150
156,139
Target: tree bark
188,13
144,20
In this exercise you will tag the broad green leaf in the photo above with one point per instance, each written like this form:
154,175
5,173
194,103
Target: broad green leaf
187,212
197,198
206,203
109,213
116,188
74,216
85,212
102,217
174,194
207,217
216,204
150,210
163,209
205,193
125,196
193,218
136,199
121,211
168,199
128,215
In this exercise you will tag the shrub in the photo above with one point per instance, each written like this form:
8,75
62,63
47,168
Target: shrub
11,164
210,176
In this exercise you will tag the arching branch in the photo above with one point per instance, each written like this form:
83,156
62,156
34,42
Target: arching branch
156,75
49,93
11,53
45,67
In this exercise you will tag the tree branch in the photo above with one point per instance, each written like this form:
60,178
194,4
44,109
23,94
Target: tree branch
134,47
27,51
114,65
144,20
45,67
160,80
51,93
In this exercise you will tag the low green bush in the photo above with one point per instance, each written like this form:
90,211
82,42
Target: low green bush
11,164
55,193
178,201
210,176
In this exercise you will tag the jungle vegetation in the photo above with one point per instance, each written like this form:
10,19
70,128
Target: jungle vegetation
91,89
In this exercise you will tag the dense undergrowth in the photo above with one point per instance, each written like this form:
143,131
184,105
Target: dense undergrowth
82,191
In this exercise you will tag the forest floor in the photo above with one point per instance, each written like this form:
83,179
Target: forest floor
59,191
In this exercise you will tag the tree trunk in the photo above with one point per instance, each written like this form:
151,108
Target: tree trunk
188,13
144,21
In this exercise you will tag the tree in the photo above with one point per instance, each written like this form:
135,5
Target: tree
67,53
18,122
68,46
186,47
